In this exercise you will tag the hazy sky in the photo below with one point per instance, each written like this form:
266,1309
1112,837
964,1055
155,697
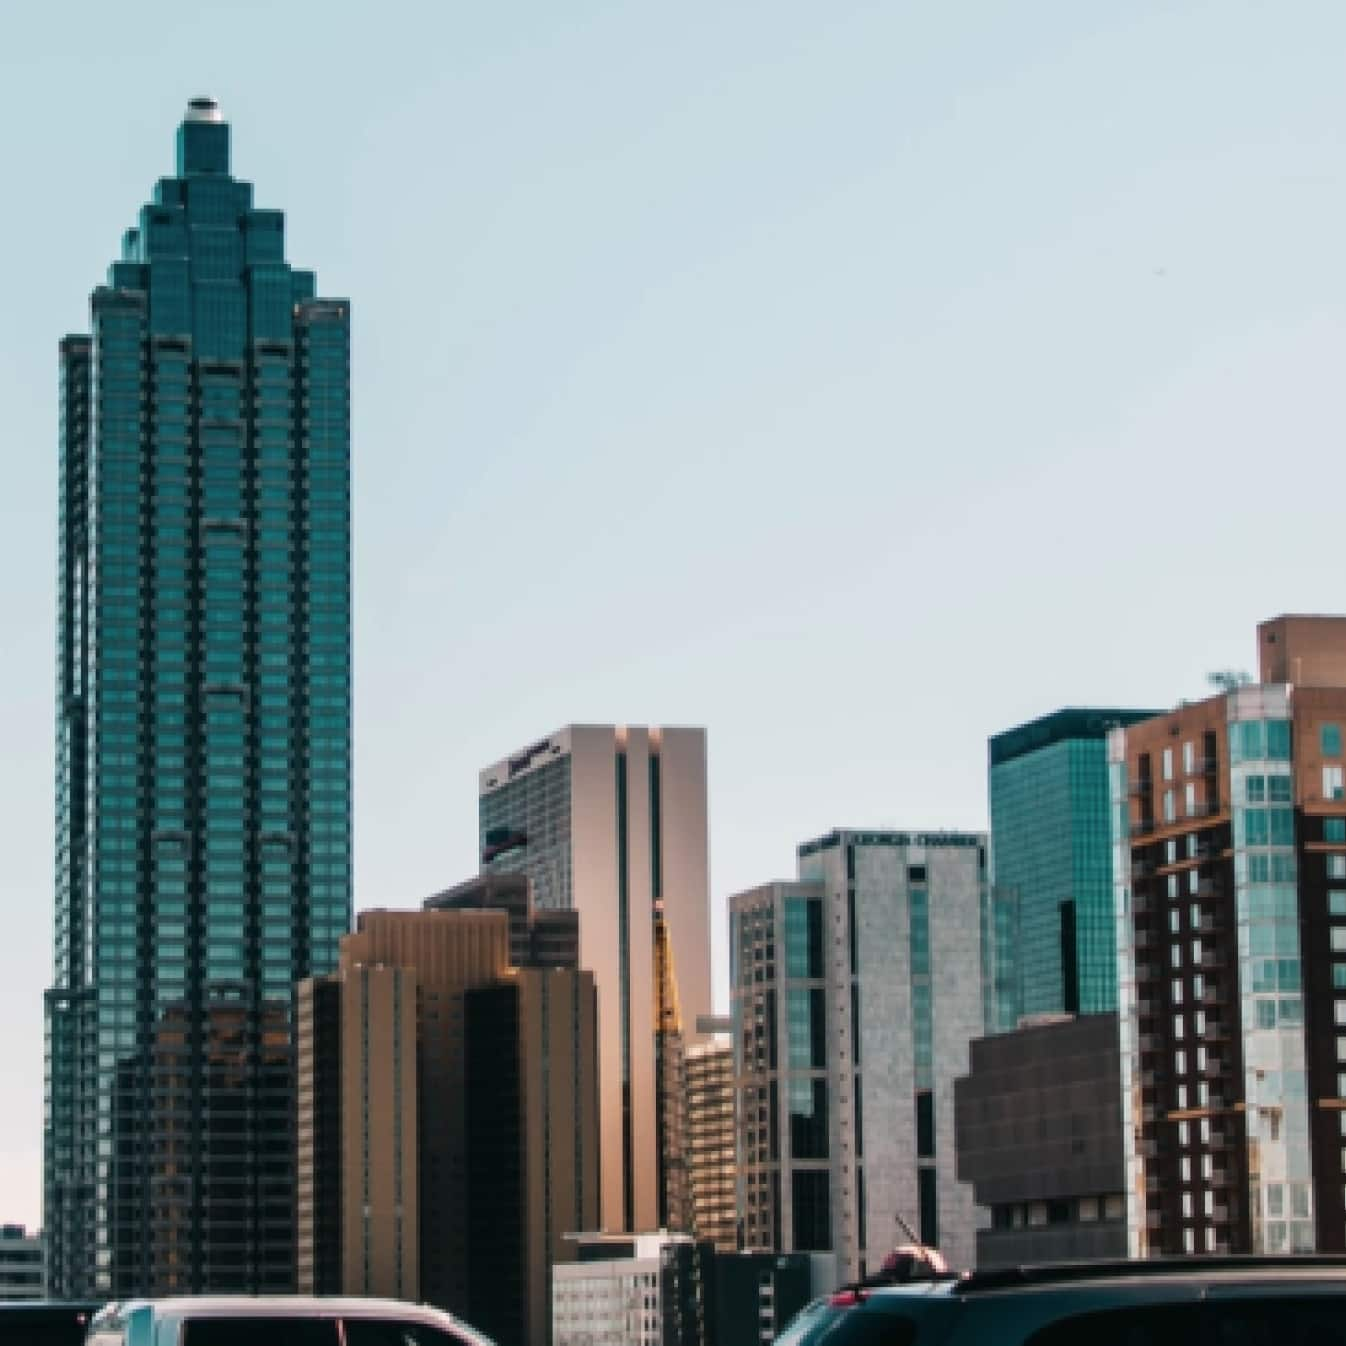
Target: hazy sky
854,379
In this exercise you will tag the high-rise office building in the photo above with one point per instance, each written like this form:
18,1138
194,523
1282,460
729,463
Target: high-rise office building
203,764
857,990
1229,819
611,822
448,1117
451,952
1050,853
710,1139
531,1086
358,1149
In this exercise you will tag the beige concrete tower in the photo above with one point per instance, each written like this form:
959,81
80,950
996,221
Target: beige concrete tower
611,821
379,1152
532,1137
358,1145
452,952
448,1115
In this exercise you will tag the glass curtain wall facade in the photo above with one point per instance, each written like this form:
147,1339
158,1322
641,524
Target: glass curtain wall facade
1051,854
203,824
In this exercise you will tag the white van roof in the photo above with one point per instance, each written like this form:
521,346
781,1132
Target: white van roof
287,1306
188,1307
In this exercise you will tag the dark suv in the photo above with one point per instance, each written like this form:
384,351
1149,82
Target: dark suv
1193,1301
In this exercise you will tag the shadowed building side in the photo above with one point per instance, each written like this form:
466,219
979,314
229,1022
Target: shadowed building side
532,1136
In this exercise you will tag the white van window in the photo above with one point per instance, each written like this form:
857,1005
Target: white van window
261,1332
385,1332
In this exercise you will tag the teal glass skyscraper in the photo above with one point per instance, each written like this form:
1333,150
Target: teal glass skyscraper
203,756
1052,857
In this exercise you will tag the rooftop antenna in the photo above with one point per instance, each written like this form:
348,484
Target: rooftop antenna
1228,679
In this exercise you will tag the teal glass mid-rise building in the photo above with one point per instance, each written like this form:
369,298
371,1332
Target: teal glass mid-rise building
203,756
1052,857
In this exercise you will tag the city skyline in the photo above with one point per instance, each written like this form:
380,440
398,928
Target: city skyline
884,292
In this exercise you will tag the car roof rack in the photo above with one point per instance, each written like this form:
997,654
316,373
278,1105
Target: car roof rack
912,1263
866,1286
1054,1273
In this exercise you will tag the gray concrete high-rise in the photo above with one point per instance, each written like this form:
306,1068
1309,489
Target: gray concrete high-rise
610,821
857,990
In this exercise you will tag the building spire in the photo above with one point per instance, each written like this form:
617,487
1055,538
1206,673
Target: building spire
203,109
203,139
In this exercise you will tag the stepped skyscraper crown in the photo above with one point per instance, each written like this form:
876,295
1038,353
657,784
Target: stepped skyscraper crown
203,825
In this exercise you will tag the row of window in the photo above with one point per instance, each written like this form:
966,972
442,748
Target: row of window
1191,764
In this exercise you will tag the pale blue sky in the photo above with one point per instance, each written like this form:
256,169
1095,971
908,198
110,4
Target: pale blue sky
854,379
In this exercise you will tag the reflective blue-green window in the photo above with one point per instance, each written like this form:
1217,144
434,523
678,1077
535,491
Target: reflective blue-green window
1051,820
803,936
806,1030
1259,740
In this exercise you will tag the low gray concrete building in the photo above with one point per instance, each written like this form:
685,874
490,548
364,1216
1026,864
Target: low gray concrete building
1038,1134
22,1264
